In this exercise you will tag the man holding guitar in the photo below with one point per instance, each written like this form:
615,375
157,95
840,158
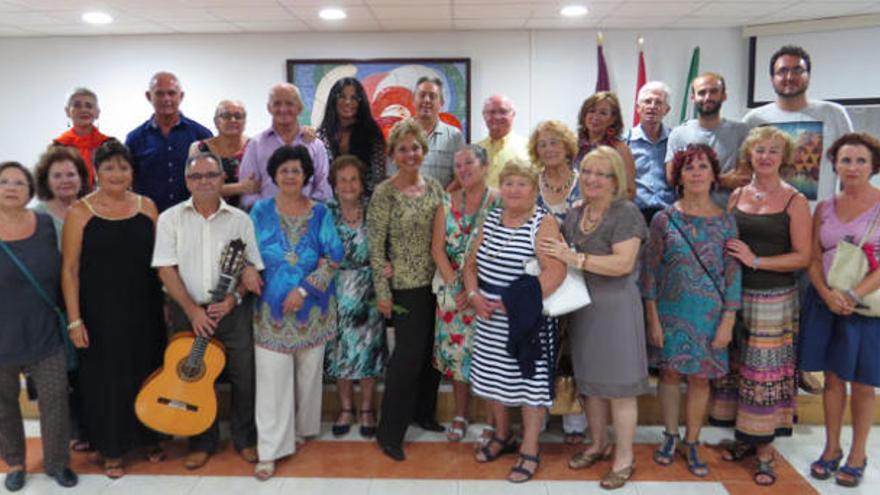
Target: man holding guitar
190,238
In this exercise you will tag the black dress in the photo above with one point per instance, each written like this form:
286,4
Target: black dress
121,305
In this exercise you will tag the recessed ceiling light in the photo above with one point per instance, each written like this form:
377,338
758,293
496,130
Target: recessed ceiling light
573,11
97,18
332,14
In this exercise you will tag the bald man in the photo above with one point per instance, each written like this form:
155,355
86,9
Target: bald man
160,145
285,105
501,143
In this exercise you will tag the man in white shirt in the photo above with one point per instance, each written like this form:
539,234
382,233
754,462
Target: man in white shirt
814,124
190,239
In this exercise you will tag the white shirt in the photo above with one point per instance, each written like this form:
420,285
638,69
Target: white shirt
193,243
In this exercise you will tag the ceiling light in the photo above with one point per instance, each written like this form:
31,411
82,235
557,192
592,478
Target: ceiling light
573,11
332,14
97,18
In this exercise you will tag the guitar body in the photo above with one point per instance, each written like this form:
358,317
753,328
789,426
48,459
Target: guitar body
175,402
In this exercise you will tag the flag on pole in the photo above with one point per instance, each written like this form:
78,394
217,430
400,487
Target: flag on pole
602,82
641,79
692,74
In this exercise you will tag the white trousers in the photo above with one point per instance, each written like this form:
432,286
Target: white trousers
288,399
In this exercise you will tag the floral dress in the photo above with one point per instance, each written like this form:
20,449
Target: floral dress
454,336
358,351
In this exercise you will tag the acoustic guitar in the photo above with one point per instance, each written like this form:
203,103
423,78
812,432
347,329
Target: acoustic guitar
179,398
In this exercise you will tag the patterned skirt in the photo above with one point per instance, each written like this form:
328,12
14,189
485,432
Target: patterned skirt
759,395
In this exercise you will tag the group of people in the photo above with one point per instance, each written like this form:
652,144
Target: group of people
695,248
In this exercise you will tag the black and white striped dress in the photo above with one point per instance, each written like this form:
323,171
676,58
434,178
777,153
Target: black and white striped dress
495,374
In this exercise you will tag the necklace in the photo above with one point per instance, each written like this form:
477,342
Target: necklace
761,195
546,186
589,224
353,216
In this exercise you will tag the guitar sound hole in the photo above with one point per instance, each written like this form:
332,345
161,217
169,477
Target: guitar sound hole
190,373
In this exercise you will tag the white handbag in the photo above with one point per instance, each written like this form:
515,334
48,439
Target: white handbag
850,266
570,296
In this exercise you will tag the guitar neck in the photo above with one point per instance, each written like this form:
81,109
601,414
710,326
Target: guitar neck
225,286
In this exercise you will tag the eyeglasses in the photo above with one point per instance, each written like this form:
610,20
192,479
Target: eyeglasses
208,175
232,116
794,71
592,173
13,183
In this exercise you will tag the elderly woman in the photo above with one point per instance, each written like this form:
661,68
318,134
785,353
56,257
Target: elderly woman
114,302
552,147
773,221
31,341
296,313
348,128
835,338
601,123
507,371
230,118
456,224
400,227
691,287
358,350
605,234
62,178
82,110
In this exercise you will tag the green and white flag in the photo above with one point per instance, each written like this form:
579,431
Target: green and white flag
686,94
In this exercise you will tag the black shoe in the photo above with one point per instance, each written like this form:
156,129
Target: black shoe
65,477
340,429
393,451
14,480
431,425
368,431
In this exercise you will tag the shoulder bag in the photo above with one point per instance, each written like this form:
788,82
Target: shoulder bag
850,266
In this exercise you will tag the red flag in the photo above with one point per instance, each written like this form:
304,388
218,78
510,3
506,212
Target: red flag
602,83
641,78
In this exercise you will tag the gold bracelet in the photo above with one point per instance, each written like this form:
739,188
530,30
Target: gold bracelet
74,324
583,265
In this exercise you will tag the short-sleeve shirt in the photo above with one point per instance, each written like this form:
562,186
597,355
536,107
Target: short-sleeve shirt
256,160
725,140
815,127
439,163
623,221
501,151
195,244
652,190
160,160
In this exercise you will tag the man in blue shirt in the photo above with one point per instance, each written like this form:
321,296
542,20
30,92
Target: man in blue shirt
647,141
160,145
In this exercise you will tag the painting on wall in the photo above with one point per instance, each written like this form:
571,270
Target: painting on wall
389,84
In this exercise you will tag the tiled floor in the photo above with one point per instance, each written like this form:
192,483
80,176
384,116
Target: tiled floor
350,466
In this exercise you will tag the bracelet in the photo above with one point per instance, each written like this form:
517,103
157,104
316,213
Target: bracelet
581,257
302,292
583,264
471,294
74,324
855,297
756,262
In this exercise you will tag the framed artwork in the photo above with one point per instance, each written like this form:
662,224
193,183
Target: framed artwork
389,84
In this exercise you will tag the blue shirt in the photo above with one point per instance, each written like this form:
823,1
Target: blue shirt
652,190
159,160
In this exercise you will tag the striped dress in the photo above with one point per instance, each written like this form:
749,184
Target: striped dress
495,374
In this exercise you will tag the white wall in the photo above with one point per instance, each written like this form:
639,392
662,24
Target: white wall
546,73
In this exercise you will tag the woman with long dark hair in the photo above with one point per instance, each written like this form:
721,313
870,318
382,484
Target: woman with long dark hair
348,128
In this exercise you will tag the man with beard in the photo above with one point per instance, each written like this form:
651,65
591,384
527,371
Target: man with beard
806,120
648,142
709,92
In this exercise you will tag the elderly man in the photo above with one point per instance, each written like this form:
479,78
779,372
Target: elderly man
815,124
285,105
443,139
709,92
502,144
648,144
161,144
190,239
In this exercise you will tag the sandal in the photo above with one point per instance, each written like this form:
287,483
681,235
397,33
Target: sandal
583,460
855,475
823,468
575,438
765,468
80,446
665,453
368,429
155,455
519,469
264,470
485,436
508,446
737,451
688,450
616,479
339,428
454,434
113,469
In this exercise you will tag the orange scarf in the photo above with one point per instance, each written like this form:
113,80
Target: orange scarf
85,145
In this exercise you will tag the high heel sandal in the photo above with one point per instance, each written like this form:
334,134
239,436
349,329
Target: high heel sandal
368,431
342,429
665,453
855,473
822,469
688,450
